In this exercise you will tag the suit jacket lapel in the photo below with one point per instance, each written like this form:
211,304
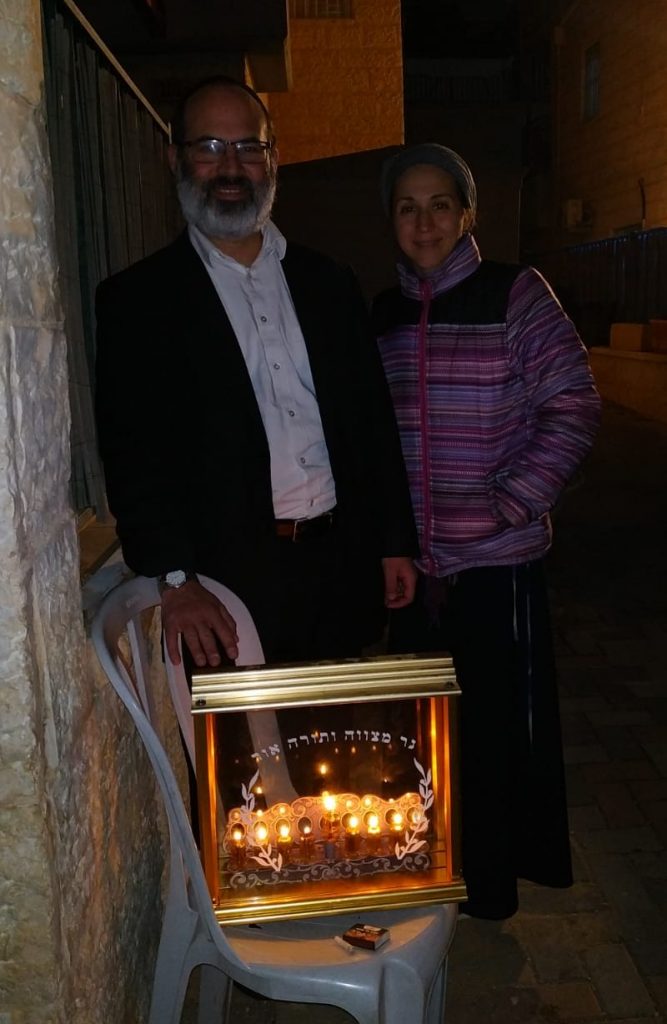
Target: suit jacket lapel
214,350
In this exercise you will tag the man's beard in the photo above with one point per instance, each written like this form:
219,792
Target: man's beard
225,218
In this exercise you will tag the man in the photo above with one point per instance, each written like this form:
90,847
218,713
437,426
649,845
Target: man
243,417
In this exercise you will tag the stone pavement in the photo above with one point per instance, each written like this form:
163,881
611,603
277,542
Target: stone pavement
596,952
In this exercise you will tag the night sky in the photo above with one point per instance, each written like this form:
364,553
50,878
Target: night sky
459,28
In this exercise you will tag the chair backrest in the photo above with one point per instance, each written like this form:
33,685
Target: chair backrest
262,725
250,653
118,616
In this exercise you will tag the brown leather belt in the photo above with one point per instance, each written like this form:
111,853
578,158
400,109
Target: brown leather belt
304,529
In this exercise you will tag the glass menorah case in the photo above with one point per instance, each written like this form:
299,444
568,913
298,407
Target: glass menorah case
328,787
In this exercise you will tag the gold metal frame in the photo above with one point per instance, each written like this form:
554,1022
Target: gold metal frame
248,689
427,679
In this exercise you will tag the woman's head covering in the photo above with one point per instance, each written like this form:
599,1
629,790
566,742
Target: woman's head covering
428,153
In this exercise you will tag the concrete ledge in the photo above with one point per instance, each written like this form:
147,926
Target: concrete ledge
636,380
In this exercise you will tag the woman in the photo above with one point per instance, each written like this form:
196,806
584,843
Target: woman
496,407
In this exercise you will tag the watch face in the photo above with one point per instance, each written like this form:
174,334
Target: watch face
176,578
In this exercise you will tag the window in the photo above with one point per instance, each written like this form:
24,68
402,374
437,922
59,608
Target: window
321,9
591,82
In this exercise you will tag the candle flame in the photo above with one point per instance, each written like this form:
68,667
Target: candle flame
261,832
329,802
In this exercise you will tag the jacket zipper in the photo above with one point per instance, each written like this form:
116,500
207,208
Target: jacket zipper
426,292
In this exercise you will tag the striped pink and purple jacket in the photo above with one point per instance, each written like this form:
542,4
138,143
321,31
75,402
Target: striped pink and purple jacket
495,403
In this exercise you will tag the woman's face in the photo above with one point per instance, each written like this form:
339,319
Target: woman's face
428,215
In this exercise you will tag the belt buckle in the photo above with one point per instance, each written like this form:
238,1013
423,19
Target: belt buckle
303,524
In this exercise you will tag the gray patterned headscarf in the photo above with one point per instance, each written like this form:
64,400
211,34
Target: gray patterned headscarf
428,153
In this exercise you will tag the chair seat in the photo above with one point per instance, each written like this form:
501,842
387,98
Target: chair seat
283,942
298,961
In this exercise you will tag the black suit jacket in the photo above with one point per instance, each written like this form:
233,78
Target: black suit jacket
184,449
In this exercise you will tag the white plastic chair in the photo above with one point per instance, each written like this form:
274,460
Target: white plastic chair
262,725
296,961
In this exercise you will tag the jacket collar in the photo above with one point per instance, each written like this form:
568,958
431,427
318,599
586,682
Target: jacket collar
463,260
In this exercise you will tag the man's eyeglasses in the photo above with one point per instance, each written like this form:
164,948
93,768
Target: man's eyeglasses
210,150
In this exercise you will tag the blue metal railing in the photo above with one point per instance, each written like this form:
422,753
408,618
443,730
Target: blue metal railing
611,280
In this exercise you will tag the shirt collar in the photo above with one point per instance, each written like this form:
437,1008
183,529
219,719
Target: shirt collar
273,244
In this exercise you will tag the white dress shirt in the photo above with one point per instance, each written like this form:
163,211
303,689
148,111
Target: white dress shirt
259,306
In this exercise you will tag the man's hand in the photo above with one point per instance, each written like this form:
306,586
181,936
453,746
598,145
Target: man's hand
400,580
196,613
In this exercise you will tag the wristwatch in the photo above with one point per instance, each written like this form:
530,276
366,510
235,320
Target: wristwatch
174,580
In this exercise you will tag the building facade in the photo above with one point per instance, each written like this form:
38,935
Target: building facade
346,82
596,137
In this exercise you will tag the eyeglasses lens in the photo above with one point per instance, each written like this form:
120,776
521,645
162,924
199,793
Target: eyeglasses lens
210,151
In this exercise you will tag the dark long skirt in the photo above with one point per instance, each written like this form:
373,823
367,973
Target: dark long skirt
495,622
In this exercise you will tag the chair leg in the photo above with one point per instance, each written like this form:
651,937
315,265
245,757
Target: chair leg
172,968
168,997
215,993
435,1011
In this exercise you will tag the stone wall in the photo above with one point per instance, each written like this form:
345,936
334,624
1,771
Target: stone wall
80,849
347,84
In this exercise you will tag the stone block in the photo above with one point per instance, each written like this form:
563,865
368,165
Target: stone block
657,986
618,983
620,840
576,729
580,704
618,717
618,806
629,337
640,769
541,901
657,891
650,864
546,940
658,335
589,929
586,817
637,918
650,789
591,753
620,743
579,793
635,380
655,748
574,1000
650,954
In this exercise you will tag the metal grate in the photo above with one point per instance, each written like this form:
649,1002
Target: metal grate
321,9
114,202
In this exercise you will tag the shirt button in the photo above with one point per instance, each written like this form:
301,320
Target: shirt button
263,319
276,366
302,461
291,412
